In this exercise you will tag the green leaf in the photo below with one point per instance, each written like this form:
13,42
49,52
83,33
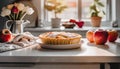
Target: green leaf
100,4
60,9
103,12
94,14
49,8
96,0
93,7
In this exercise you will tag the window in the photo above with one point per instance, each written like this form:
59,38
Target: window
79,10
70,12
85,8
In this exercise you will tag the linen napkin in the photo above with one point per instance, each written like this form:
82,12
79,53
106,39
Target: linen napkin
20,41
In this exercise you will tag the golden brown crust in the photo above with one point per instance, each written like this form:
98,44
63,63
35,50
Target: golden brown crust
60,38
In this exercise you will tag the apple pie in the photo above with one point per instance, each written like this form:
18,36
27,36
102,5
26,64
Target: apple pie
60,38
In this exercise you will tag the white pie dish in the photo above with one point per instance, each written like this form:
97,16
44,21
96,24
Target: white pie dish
61,47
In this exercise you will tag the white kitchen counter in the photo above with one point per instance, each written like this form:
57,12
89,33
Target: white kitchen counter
82,31
44,29
88,53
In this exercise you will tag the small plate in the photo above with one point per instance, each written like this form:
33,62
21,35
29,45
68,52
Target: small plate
61,47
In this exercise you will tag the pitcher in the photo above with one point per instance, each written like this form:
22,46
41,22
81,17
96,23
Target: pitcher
15,26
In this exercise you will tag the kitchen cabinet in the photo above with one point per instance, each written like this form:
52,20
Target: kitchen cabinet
50,66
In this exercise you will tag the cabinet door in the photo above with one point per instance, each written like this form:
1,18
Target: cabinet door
52,66
69,66
18,66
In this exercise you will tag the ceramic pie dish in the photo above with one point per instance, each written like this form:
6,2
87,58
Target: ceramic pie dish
61,47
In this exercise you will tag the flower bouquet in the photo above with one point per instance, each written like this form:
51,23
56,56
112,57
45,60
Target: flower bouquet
15,14
16,11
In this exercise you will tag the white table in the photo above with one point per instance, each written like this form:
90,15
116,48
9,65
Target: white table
88,53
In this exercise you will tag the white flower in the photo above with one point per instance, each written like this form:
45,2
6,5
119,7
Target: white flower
4,8
100,14
28,10
5,12
10,6
20,6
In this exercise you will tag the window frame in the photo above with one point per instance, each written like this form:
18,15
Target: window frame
44,15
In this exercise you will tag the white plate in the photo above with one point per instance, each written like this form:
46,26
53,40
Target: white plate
61,47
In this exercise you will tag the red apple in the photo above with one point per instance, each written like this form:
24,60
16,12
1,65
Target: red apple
100,37
113,35
89,36
5,35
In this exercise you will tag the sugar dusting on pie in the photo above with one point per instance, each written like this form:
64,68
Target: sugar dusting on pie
60,38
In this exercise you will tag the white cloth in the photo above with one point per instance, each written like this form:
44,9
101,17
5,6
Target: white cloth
20,41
